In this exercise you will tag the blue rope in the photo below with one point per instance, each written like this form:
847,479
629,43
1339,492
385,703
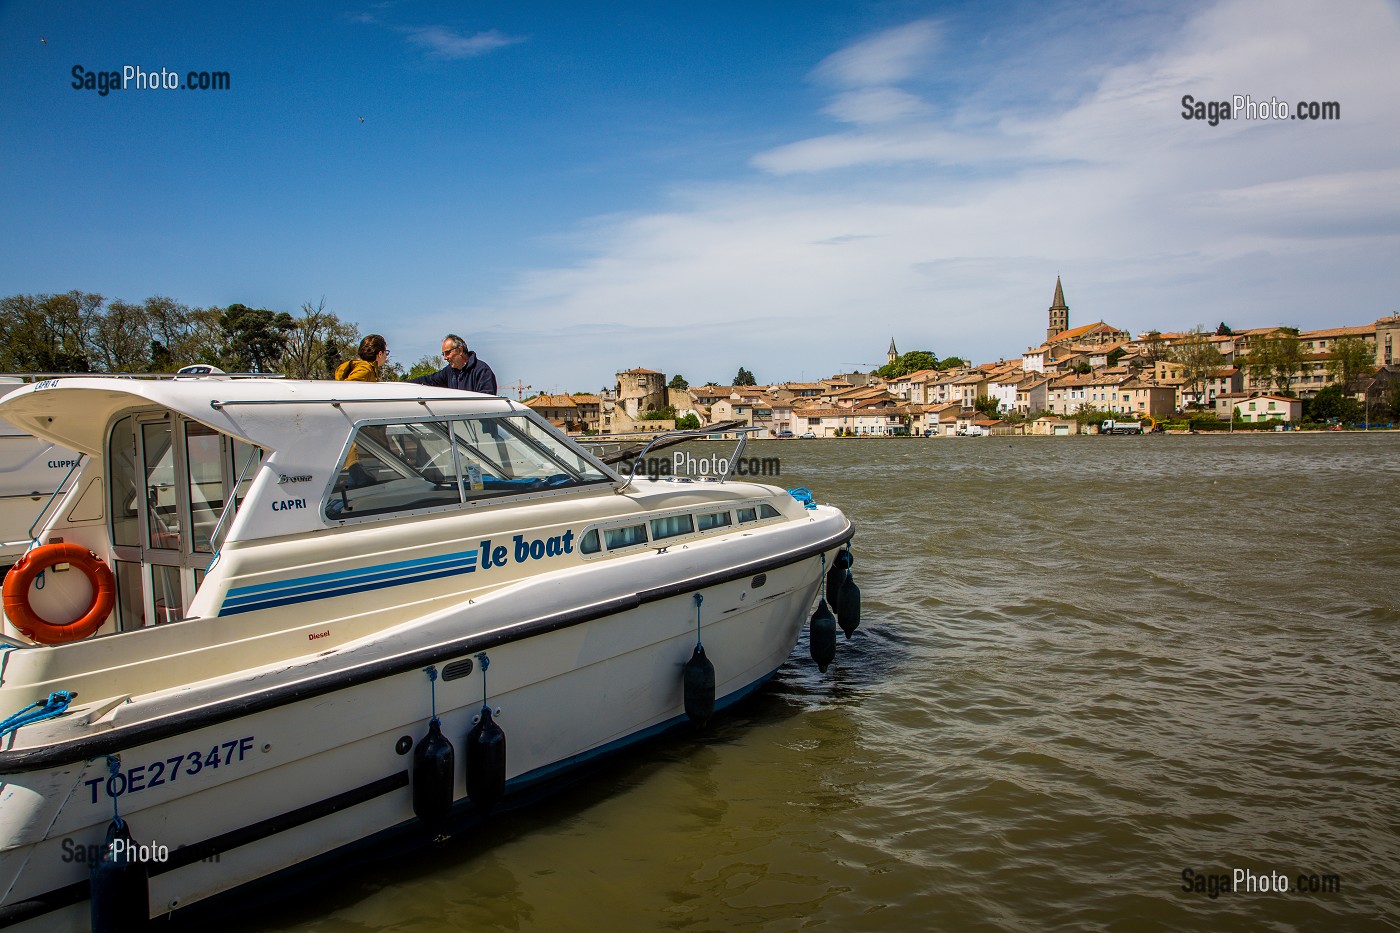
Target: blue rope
55,705
804,495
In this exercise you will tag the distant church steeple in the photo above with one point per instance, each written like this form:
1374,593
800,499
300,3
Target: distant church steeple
893,355
1059,313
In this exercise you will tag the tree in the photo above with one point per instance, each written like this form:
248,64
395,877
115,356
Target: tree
121,338
1224,330
1275,360
907,363
952,362
255,338
988,406
318,342
1154,346
47,333
1332,403
688,422
1199,358
1353,359
744,378
677,382
667,413
424,366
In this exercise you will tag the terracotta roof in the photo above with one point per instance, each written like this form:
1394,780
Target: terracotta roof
1074,333
552,401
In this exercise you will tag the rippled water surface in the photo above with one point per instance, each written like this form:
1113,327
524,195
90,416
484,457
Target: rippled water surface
1086,665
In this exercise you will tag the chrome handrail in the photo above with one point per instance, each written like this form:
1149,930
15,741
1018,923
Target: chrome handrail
674,436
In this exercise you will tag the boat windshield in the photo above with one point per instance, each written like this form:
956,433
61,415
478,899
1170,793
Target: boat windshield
408,466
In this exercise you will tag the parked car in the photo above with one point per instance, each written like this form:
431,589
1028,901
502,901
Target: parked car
783,434
809,434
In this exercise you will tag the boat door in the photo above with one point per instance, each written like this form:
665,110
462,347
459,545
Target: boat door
170,478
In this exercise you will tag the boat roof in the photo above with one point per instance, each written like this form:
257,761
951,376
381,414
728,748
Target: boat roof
271,413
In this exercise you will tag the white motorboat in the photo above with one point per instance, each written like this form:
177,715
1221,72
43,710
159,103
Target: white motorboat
31,471
276,621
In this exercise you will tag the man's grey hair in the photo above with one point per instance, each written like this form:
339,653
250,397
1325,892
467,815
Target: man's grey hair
457,342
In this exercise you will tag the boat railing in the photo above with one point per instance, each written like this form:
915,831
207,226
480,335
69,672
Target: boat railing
207,372
54,497
671,438
219,404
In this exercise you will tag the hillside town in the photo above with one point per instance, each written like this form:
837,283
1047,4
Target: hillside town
1095,370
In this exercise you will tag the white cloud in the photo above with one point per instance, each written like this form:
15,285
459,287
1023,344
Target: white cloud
876,105
885,58
441,42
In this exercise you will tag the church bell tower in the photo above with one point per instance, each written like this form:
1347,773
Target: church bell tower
1059,313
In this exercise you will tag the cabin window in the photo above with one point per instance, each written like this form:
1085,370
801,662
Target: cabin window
627,536
410,466
204,452
671,526
121,469
712,520
748,515
589,543
162,506
767,511
170,479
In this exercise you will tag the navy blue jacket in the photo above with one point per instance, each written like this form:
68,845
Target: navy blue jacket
476,376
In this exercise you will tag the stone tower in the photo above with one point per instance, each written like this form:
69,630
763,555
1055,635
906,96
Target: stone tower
893,354
1059,313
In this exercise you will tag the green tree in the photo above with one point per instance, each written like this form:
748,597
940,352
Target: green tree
1224,330
678,382
1333,403
1353,360
952,362
47,333
424,366
1275,360
744,378
1199,358
988,406
688,422
907,363
255,337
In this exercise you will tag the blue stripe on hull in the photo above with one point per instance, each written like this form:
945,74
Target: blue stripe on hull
326,585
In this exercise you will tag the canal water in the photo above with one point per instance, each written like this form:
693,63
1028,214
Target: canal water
1087,667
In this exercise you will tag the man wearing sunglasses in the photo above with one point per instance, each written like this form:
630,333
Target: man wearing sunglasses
464,370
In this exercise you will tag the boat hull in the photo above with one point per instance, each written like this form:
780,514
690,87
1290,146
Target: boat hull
231,799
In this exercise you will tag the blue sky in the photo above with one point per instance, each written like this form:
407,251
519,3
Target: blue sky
579,188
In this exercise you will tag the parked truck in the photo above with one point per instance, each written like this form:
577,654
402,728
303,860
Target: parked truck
1120,427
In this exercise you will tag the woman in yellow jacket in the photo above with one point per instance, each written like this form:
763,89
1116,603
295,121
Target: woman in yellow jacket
374,352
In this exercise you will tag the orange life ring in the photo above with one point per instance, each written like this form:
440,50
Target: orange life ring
22,574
